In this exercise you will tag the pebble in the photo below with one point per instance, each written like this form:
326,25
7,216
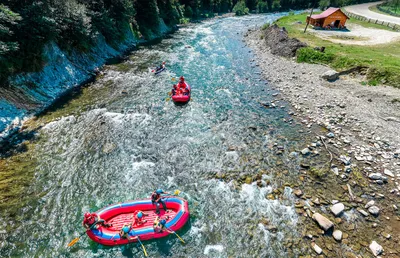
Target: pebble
337,209
322,221
337,235
330,135
375,176
317,249
374,210
376,248
388,172
369,204
305,151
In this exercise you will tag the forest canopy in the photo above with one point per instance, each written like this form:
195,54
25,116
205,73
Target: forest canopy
27,25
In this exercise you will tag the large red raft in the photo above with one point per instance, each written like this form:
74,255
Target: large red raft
121,213
182,97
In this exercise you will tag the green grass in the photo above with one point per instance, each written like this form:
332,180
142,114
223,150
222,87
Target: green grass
384,59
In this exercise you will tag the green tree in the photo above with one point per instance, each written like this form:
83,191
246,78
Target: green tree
7,20
323,4
240,8
262,7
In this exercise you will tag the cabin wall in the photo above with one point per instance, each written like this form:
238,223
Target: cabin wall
338,15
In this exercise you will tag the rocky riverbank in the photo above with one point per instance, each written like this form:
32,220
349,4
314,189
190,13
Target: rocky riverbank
348,204
33,92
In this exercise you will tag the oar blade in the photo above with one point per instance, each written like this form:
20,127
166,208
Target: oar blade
73,242
177,192
144,251
179,238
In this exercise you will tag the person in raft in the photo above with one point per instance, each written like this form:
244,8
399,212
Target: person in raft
124,233
162,66
156,199
174,89
182,85
159,225
138,218
93,218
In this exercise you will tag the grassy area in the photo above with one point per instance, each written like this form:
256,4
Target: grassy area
383,60
389,9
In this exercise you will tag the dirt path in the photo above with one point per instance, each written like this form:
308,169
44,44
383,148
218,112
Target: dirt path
363,10
358,35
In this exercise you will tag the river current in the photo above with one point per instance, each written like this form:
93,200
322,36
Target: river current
133,140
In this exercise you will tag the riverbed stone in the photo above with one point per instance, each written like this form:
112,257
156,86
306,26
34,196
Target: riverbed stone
337,209
369,204
374,210
375,176
388,173
298,192
322,221
330,75
337,235
376,248
305,151
316,248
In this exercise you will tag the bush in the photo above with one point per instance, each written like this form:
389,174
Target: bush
309,55
240,8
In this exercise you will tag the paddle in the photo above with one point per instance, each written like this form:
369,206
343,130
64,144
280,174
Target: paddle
144,249
77,239
177,236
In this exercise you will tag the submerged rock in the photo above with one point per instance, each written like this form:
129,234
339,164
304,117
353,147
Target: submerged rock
322,221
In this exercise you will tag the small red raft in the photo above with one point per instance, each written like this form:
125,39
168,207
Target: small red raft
121,213
181,96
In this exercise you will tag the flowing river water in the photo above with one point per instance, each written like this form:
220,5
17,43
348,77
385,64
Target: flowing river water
131,139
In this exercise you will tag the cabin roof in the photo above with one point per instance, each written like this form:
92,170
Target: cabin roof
327,13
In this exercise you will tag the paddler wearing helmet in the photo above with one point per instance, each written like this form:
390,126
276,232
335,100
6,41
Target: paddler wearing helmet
156,199
125,230
159,225
138,217
182,85
162,66
92,218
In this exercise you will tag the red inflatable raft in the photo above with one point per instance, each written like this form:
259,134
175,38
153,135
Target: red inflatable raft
182,96
121,213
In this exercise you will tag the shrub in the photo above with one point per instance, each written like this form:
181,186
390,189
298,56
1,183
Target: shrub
309,55
240,8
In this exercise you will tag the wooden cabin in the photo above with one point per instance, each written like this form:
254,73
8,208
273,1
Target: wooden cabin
331,18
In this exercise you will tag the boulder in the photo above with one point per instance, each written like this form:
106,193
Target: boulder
322,221
376,248
337,209
330,75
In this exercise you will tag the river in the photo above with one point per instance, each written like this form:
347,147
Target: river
131,139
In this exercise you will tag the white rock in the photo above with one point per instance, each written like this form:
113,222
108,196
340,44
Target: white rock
374,210
337,235
337,209
330,75
363,212
376,248
323,222
375,176
317,249
369,204
305,151
388,172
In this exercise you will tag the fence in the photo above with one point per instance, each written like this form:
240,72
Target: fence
393,26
